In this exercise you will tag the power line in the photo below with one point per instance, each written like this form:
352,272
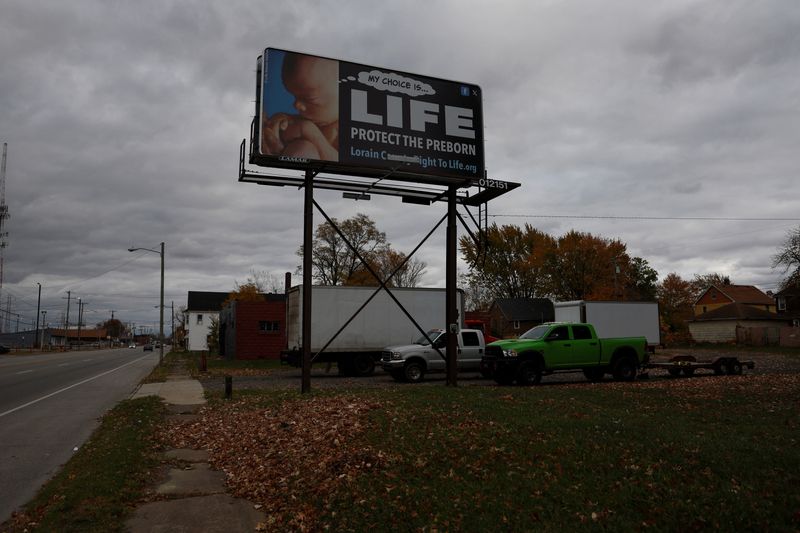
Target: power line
619,217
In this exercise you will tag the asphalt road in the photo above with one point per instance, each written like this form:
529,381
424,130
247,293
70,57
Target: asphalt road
50,404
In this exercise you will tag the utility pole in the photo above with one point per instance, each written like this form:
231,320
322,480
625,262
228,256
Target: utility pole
172,314
66,319
80,319
38,306
4,215
44,327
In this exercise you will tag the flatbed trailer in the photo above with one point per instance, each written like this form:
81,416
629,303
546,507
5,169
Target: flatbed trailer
687,364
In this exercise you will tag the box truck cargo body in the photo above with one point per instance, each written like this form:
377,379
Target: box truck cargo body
614,319
381,323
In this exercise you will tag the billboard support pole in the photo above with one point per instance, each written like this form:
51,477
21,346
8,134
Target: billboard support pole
451,310
308,227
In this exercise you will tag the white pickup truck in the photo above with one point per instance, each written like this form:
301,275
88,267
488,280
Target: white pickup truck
412,361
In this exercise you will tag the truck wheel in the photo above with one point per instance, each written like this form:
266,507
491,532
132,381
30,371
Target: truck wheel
593,374
503,377
720,369
529,373
624,369
734,368
688,371
414,372
363,365
674,372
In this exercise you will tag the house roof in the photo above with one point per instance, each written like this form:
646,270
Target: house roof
86,333
738,311
526,308
205,301
746,294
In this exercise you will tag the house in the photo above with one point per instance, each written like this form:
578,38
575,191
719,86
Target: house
201,308
511,317
78,337
717,296
738,322
787,302
253,330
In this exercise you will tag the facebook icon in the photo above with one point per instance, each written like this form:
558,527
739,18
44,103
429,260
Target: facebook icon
464,90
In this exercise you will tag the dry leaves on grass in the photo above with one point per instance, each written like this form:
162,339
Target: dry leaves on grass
285,458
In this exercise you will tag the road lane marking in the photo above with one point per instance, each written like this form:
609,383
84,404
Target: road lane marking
65,364
24,372
87,380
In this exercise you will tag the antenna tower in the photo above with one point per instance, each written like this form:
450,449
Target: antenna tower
3,217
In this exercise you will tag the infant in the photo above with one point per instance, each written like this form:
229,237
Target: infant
313,133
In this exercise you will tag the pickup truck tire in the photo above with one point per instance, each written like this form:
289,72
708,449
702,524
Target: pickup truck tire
414,371
594,374
734,368
363,364
624,369
529,373
503,377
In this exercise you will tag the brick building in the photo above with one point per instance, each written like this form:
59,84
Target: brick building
253,330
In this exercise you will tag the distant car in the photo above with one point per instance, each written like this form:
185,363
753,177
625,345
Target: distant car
4,349
148,347
131,345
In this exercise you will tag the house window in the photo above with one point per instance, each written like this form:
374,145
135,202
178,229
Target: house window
199,319
516,324
705,309
781,303
269,326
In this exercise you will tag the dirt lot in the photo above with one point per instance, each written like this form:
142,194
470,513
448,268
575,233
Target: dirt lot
288,378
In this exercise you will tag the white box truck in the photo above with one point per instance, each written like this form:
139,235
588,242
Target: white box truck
381,323
614,319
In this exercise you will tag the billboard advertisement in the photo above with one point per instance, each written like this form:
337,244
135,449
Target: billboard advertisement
365,120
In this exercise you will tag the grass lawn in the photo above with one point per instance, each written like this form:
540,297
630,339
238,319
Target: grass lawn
674,455
97,488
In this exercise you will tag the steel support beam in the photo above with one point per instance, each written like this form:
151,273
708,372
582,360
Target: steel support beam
451,311
308,228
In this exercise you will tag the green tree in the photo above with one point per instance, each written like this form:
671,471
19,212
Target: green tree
642,281
333,262
512,263
588,267
675,301
701,282
788,257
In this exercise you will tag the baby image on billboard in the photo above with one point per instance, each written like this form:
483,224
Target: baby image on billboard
300,118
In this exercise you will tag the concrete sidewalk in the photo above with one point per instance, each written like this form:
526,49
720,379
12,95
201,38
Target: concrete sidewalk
196,498
181,391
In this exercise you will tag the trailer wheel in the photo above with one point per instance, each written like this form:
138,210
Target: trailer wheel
414,372
688,372
720,369
363,364
624,369
674,372
734,368
529,373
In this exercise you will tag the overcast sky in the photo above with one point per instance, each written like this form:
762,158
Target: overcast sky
123,122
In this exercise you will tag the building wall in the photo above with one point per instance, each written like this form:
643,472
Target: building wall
723,330
259,329
198,326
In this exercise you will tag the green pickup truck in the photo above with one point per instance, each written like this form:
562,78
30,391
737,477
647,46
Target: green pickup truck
558,347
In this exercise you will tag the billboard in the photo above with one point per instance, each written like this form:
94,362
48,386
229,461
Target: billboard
365,120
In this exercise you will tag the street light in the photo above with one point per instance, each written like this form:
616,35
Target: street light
161,306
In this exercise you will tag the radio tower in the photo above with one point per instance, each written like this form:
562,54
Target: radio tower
3,217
